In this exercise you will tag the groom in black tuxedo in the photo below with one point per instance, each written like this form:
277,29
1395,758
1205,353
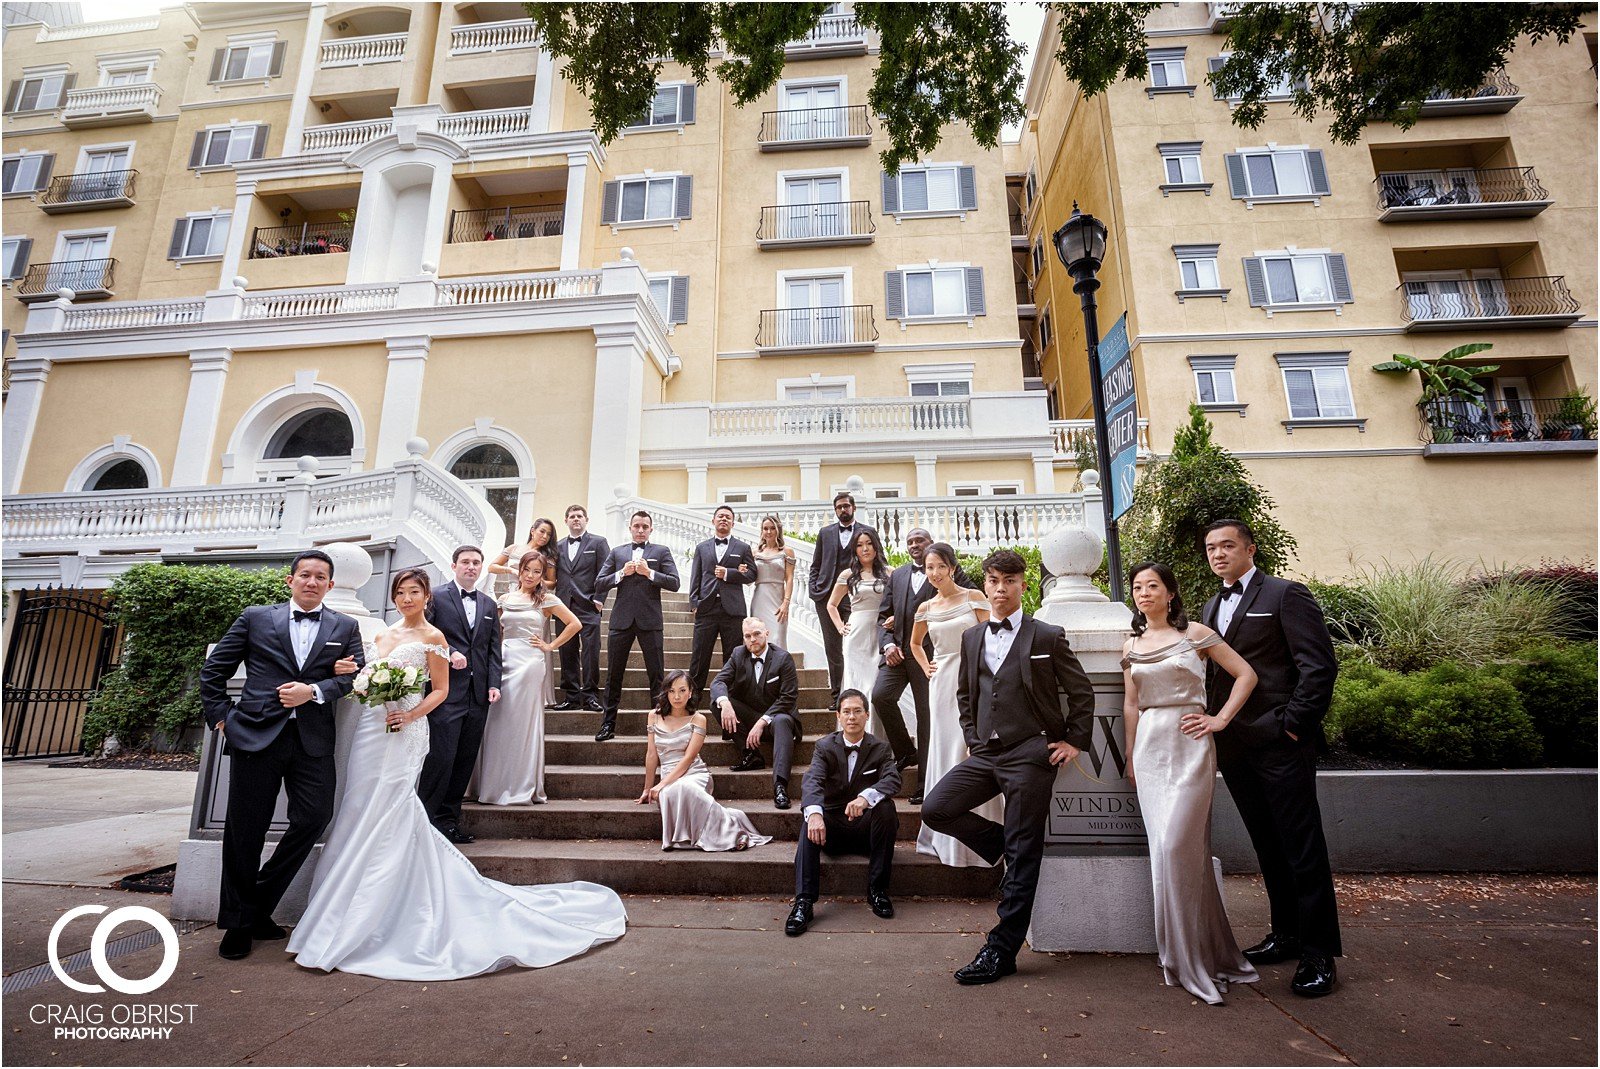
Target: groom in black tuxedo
470,622
1014,672
639,571
579,558
831,557
722,565
279,735
1267,756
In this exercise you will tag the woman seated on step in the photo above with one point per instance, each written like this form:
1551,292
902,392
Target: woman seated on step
674,735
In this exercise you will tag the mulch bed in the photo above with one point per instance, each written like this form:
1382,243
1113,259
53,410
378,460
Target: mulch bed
140,762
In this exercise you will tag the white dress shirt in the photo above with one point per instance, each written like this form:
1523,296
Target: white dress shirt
1227,606
572,549
469,606
997,644
919,579
870,795
845,534
720,548
303,633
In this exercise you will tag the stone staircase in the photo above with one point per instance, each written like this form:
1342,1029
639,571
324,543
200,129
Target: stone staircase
593,829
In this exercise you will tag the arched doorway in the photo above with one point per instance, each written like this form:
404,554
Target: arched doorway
324,433
122,474
491,468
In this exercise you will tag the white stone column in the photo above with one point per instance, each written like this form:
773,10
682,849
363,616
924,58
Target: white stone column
310,57
1044,472
28,376
697,494
402,397
927,476
244,195
810,478
208,375
615,424
572,216
543,86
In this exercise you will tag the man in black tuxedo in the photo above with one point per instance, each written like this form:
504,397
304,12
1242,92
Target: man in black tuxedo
897,669
1014,672
758,688
722,565
1268,755
279,735
579,558
830,558
470,622
849,809
639,571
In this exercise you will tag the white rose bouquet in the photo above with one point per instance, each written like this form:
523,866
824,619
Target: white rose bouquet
381,684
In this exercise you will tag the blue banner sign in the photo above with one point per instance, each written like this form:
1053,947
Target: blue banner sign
1122,417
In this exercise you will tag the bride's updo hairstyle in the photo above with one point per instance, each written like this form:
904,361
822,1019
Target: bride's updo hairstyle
1175,614
945,552
537,593
411,575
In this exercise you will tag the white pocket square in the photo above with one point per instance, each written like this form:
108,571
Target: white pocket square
1258,614
773,680
333,643
1038,657
868,772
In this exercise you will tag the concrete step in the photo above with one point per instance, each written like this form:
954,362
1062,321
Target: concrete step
625,818
629,750
644,868
815,720
617,780
633,676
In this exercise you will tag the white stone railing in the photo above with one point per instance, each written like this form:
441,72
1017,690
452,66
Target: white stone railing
492,36
134,314
831,31
106,98
1072,435
82,521
98,29
341,136
359,51
330,300
508,288
478,125
848,417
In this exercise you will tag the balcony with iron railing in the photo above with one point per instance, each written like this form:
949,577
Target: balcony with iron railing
806,128
87,279
1508,426
108,105
86,192
833,35
302,239
1497,94
1460,193
814,225
503,224
832,328
1488,303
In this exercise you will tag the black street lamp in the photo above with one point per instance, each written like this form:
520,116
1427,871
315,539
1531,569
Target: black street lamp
1081,244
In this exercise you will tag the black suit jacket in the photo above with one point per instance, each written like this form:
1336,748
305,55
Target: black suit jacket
1049,669
777,692
1279,630
576,579
259,639
638,603
469,686
704,586
829,560
826,782
901,604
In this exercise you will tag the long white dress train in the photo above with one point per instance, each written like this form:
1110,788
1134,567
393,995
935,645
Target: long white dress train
392,898
947,747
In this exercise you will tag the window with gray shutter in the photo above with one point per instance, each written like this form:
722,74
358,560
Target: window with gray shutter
647,200
672,106
198,236
976,305
250,61
1339,275
1238,185
685,196
608,201
1319,172
1284,280
1255,280
27,173
891,193
894,295
680,300
16,257
968,181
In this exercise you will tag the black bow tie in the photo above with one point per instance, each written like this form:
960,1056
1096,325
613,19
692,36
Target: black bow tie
852,749
847,527
720,541
470,595
313,615
1232,590
997,626
917,569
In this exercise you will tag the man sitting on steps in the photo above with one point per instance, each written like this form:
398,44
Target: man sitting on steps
759,687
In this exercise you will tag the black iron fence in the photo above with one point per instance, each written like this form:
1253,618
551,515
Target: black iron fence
1526,419
501,224
78,188
79,276
306,239
1498,84
816,222
1458,185
814,124
835,325
1487,298
62,643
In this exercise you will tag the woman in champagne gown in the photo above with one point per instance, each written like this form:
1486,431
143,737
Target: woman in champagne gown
865,583
689,815
945,619
503,569
1174,771
391,897
510,767
769,597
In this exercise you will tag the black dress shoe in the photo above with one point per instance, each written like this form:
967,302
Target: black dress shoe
235,944
1273,949
459,837
799,918
606,732
780,796
594,706
267,931
986,968
915,799
1316,975
909,762
750,762
566,705
879,901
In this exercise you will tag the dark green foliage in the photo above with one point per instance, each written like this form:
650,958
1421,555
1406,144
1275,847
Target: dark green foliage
1182,494
169,614
972,565
1370,706
1476,722
1347,612
1579,585
1558,687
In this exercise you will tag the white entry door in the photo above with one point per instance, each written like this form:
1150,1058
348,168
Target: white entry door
812,207
85,266
814,312
813,112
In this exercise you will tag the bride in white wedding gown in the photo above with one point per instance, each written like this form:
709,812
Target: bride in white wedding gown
391,897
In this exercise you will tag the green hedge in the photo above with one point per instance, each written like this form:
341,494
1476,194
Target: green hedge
169,615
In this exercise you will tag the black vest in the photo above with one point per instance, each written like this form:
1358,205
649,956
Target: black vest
1003,707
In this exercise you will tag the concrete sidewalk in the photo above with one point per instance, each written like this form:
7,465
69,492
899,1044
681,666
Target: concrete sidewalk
89,825
1459,970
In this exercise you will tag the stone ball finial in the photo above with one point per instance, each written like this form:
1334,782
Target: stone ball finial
626,253
1072,551
855,484
1090,478
308,466
429,268
416,447
65,294
352,565
240,282
620,492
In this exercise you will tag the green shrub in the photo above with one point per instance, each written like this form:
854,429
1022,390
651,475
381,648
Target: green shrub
169,614
1348,614
1576,617
1370,709
1514,611
1476,723
972,565
1558,688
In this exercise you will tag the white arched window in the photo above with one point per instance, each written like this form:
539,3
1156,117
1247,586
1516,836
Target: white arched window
324,433
121,465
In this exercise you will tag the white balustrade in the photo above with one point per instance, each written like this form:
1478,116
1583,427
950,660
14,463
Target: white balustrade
143,517
972,524
502,290
492,36
133,314
363,498
333,300
479,125
342,136
1072,436
830,31
360,51
98,29
844,418
108,98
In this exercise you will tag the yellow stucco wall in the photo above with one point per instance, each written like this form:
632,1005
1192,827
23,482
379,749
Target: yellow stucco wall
90,403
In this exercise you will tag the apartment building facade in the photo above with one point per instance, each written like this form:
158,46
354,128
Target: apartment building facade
1263,272
240,234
